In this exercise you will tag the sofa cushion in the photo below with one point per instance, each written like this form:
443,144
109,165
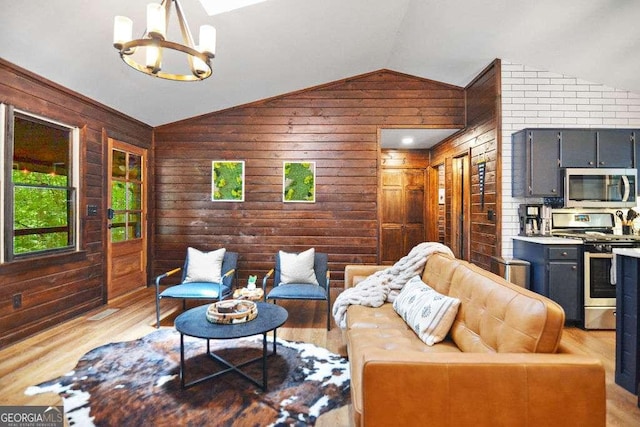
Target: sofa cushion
497,316
394,342
383,317
428,312
438,271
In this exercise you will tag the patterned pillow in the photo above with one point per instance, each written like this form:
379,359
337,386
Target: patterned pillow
204,266
298,268
429,313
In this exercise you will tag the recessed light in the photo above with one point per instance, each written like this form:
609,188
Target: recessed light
407,140
215,7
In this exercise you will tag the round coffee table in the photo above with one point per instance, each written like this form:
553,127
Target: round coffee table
194,323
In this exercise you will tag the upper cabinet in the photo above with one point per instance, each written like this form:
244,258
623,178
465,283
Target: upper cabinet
541,155
597,148
536,170
578,149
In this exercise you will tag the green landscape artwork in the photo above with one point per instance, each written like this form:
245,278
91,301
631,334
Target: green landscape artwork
299,182
227,181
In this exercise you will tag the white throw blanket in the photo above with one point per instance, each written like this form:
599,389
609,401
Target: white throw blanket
384,285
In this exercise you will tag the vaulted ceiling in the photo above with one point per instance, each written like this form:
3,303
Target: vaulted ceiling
280,46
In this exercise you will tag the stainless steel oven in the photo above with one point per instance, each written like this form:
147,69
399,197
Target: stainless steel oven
595,229
599,291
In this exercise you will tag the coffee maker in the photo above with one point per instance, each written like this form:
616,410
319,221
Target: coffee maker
545,220
530,219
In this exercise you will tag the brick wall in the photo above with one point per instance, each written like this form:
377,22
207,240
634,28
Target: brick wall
541,99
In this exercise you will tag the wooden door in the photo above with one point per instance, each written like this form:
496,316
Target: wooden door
402,212
126,219
460,203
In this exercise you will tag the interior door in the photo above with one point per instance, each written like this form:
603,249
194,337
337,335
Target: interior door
126,219
402,224
460,202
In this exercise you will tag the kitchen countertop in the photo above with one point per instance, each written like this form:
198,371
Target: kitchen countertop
632,252
549,240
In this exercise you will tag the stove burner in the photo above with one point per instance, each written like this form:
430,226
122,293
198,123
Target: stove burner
599,237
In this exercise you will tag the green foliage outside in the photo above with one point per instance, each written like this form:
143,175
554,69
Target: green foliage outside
125,196
227,181
39,208
299,182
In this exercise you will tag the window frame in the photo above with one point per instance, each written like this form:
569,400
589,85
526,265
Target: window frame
7,119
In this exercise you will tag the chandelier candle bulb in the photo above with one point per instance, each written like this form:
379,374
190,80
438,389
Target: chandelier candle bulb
199,66
122,31
208,40
153,58
156,21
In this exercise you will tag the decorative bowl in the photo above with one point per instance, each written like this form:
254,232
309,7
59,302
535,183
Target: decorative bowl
232,311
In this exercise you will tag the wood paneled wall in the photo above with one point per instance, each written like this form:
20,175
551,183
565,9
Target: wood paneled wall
479,140
57,288
335,125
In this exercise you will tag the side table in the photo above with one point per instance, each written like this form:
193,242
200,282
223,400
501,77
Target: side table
256,294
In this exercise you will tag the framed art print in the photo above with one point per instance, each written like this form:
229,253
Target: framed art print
227,181
299,182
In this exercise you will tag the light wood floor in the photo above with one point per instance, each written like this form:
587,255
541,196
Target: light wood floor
56,351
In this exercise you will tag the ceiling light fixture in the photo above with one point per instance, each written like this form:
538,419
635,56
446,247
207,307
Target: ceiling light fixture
407,140
155,45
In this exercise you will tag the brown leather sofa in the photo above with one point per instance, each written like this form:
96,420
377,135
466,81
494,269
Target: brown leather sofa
502,363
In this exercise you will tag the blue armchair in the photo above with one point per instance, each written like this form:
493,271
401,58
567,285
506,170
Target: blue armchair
300,289
190,288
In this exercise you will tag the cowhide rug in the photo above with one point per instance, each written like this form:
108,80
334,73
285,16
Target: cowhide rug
136,383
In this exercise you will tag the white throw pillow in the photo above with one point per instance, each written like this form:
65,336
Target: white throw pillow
298,268
429,313
204,266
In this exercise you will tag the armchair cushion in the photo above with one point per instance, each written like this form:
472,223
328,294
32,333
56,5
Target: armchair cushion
429,313
197,290
298,268
298,291
204,266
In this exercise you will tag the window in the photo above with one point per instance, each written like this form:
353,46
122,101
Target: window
40,184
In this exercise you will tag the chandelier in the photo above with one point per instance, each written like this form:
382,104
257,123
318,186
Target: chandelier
150,53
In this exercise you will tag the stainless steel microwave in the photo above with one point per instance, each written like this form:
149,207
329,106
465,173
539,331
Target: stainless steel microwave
600,187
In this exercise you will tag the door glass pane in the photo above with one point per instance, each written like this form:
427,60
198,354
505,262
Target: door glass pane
135,164
134,227
119,164
126,196
118,196
134,195
118,228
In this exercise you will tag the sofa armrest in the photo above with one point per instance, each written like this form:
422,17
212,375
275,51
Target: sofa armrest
354,273
480,389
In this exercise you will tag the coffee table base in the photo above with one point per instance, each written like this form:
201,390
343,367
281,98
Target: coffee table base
229,366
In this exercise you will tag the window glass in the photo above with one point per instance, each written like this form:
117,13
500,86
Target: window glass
119,228
118,196
126,196
134,196
119,166
135,164
43,200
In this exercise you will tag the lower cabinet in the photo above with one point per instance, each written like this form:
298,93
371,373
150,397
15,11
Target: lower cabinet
627,324
556,272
